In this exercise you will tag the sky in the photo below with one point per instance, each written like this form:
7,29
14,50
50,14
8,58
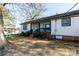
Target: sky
52,9
59,8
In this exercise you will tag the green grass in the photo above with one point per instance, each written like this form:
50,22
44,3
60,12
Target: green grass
11,37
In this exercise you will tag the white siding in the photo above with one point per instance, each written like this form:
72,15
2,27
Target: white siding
28,28
72,30
53,27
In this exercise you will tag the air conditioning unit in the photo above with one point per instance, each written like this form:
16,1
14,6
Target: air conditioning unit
59,36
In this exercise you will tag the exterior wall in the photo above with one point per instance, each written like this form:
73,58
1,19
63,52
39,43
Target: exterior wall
52,27
72,30
28,28
67,32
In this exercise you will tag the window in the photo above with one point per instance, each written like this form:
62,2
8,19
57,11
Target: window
66,22
46,25
24,27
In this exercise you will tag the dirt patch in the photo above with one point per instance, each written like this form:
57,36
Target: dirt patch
36,47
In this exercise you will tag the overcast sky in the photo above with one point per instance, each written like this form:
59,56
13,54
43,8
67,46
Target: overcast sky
52,8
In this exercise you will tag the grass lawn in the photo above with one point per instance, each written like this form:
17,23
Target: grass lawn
36,47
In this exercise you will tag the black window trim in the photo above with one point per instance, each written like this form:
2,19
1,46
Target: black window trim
66,23
24,27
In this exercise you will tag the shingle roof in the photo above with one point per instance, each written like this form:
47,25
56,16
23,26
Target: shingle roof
76,12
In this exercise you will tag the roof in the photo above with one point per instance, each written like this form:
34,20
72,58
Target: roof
76,12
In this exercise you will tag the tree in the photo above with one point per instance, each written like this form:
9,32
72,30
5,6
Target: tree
32,10
4,15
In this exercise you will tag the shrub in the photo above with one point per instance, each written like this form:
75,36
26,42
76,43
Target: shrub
27,33
40,34
36,34
22,34
11,37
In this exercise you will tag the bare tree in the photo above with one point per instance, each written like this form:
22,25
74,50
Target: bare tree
32,10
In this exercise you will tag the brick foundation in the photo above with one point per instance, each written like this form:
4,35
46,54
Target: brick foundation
49,35
71,38
66,38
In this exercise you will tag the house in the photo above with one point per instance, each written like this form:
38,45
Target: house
63,26
8,30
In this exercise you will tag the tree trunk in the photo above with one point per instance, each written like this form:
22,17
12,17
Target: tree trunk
2,37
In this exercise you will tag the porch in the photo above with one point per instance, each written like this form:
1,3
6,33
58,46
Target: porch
41,26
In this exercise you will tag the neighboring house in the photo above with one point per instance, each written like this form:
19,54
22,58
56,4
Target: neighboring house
61,26
10,30
9,27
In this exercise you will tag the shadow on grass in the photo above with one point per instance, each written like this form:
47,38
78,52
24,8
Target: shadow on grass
35,47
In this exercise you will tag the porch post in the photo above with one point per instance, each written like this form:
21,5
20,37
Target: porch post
39,26
31,27
50,26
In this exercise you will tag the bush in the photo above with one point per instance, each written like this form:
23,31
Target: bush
22,34
36,34
40,34
11,37
27,33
